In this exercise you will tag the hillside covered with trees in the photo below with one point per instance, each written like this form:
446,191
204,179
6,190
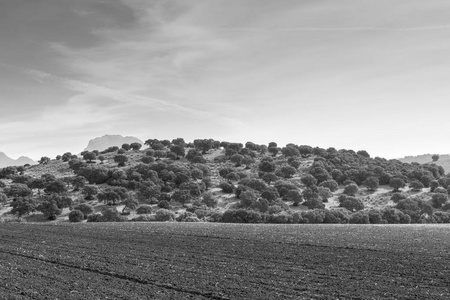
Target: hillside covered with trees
218,181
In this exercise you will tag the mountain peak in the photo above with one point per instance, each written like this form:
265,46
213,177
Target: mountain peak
109,140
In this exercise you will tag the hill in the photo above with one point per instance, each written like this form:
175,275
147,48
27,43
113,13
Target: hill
106,141
443,161
6,161
213,181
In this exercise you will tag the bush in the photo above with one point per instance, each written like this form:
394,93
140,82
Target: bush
395,216
359,217
331,184
396,197
144,209
110,215
181,196
241,216
209,200
226,187
281,218
94,217
438,199
371,183
416,185
86,209
352,204
164,215
76,216
351,189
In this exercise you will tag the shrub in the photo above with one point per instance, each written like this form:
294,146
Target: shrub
351,189
86,209
371,183
395,216
110,215
23,206
281,218
294,196
76,216
226,187
376,217
331,184
416,185
163,215
182,196
241,216
396,197
144,209
359,217
94,217
257,184
352,204
270,194
248,198
314,203
209,200
438,199
396,184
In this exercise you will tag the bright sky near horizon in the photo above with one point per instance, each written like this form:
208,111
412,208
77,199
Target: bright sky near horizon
353,74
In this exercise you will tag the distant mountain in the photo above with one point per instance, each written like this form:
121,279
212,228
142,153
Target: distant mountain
443,161
6,161
106,141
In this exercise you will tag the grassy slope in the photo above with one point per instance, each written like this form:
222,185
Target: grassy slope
377,199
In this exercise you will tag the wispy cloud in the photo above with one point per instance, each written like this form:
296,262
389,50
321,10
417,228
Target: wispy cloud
287,29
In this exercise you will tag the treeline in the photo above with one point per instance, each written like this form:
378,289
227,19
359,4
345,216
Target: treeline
265,179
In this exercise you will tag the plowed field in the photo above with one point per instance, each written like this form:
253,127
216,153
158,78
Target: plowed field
223,261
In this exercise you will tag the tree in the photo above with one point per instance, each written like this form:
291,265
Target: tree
66,157
438,199
294,196
267,166
324,193
396,184
23,206
109,197
90,191
135,146
363,153
416,185
57,187
287,171
331,184
3,198
308,180
305,150
237,159
273,150
44,160
269,177
19,190
86,209
352,204
351,189
435,157
76,216
178,150
209,200
371,183
120,159
248,198
183,196
78,183
290,151
89,156
126,147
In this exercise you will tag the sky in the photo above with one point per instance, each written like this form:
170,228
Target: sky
349,74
